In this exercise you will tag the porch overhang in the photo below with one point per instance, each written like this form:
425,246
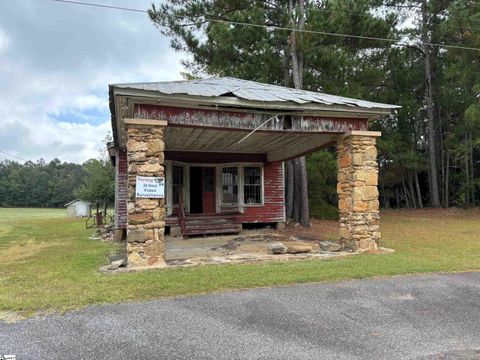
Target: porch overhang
243,130
274,145
218,113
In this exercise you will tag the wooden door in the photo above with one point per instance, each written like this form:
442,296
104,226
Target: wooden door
208,198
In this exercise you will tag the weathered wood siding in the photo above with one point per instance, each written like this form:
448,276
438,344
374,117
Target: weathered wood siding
274,203
273,208
121,190
242,120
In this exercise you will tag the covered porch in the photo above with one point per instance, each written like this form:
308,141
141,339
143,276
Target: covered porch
222,160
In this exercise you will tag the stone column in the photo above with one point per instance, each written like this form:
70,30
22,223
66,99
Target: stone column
146,217
357,190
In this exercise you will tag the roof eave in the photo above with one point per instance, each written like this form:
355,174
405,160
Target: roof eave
271,105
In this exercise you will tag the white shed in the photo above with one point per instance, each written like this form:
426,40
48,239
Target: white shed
78,208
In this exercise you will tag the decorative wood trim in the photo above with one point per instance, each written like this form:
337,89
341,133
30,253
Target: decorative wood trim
145,122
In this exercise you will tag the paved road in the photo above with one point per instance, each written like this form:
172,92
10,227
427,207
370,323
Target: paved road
396,318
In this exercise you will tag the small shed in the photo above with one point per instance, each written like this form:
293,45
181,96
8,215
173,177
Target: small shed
78,208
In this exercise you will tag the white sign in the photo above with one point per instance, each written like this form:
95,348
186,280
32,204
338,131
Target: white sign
150,187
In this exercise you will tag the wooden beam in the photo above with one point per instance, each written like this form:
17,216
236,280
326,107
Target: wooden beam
212,157
145,122
361,133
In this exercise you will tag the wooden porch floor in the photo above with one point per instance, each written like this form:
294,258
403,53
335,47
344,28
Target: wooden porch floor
208,224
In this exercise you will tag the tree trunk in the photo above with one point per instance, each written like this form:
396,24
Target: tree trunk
467,172
301,210
304,208
472,180
407,203
412,193
419,193
434,193
442,162
296,191
447,174
384,194
289,177
397,196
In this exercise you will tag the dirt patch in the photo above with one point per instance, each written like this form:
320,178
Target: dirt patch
319,231
19,252
10,317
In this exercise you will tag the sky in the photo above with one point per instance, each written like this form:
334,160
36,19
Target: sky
56,61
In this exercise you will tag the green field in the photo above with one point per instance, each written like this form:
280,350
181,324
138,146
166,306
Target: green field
47,262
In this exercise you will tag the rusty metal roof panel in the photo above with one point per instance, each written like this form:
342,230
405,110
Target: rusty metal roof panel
250,90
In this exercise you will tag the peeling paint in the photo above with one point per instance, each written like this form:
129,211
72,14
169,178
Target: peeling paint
245,121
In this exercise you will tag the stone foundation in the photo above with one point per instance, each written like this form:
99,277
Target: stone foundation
146,217
357,190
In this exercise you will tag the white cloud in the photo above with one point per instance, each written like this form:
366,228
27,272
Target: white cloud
55,68
4,41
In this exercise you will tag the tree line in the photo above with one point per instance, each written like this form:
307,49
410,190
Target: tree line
53,184
421,54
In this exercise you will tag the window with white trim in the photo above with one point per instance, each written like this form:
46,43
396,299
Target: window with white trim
229,185
177,183
252,185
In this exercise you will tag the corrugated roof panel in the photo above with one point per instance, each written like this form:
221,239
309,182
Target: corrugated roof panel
251,90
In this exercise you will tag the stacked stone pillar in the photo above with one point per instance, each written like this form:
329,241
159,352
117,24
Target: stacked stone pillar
146,217
357,190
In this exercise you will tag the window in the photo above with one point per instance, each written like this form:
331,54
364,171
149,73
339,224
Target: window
230,185
287,122
177,182
252,185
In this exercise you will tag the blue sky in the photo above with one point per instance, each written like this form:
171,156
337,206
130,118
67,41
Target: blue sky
56,61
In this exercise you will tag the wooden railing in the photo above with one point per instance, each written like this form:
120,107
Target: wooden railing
181,212
98,219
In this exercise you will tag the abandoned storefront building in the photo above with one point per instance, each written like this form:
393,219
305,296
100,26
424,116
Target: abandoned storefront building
215,149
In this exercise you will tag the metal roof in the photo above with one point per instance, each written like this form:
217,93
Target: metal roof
250,90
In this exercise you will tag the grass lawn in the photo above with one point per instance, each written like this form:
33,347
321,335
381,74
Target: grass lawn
47,262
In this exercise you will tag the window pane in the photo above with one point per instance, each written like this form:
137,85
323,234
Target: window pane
230,185
177,182
252,190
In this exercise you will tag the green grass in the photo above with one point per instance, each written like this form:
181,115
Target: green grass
47,262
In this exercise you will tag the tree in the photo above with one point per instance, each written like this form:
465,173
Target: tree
99,184
307,61
38,184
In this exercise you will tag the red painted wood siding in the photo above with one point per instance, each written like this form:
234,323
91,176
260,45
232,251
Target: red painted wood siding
220,119
274,198
122,189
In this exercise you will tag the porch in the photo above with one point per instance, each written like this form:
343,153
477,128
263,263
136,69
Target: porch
221,156
203,224
214,198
